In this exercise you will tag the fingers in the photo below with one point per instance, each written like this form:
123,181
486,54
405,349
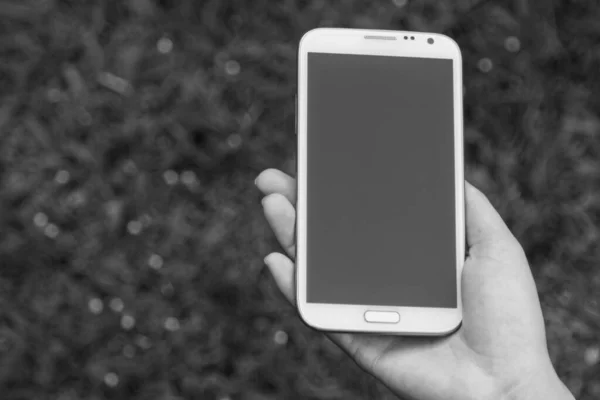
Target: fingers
281,215
282,269
274,181
485,228
280,191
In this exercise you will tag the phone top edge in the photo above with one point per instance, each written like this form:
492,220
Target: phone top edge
357,41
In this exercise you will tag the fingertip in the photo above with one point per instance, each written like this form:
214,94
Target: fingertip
268,260
485,226
275,258
273,201
282,270
267,176
259,181
474,194
281,216
469,187
475,198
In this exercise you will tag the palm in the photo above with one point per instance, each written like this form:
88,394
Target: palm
502,319
485,343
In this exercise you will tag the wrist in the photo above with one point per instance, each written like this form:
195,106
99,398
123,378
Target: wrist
537,383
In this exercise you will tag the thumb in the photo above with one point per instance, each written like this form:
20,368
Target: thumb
486,231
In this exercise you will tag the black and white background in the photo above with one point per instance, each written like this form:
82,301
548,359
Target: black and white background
131,233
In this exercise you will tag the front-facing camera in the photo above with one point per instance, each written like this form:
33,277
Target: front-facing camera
430,41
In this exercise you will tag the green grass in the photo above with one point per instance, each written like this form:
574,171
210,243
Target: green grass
93,115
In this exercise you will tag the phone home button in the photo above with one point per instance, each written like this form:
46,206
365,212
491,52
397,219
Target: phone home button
382,317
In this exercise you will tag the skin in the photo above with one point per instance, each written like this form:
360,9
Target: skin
499,352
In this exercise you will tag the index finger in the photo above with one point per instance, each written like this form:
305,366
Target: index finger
275,181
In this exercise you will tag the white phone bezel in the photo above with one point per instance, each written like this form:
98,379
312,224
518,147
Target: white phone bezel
350,318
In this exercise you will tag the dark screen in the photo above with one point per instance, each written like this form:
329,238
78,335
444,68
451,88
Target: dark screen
380,196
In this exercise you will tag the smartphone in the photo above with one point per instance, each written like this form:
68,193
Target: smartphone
380,209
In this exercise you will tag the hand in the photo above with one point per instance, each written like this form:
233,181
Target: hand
499,352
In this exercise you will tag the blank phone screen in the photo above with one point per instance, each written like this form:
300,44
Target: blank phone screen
381,181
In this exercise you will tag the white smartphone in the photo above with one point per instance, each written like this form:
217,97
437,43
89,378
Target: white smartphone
380,228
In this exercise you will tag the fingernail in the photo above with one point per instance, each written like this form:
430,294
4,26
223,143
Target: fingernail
266,260
256,181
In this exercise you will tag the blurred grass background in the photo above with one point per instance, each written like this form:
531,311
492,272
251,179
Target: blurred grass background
131,237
